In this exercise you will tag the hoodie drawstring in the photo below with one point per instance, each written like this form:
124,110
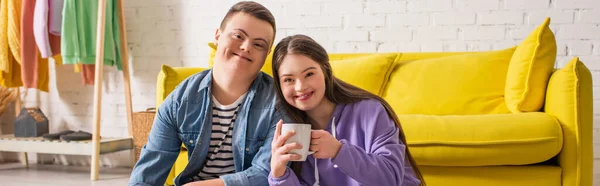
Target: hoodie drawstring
316,167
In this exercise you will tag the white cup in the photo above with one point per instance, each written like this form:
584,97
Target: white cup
301,137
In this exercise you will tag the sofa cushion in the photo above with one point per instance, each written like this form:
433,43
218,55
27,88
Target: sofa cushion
533,175
169,77
529,70
369,72
454,85
479,140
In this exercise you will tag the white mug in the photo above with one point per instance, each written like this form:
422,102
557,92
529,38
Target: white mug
301,137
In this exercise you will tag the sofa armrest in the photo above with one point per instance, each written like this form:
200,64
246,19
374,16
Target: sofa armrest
569,99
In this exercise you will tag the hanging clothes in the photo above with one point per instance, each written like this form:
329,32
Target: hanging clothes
34,68
14,28
4,48
9,33
12,78
48,43
54,24
88,73
55,9
78,41
10,73
40,27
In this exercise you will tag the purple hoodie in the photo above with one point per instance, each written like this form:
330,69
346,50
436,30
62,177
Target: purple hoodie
371,153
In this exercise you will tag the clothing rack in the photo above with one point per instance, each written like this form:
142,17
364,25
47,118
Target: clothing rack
95,146
98,81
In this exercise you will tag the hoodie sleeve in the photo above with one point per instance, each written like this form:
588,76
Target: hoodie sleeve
383,154
289,178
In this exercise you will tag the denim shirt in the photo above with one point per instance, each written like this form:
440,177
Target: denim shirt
186,117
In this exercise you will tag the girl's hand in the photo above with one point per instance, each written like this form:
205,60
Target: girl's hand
324,144
279,152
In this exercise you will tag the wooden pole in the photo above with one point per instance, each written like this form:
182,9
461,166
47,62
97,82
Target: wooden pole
98,89
125,66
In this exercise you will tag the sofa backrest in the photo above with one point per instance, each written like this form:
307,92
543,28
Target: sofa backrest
449,84
423,83
511,80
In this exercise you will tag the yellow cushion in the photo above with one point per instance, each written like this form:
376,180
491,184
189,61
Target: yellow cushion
530,69
459,84
570,99
180,164
369,72
536,175
427,55
266,67
478,140
169,78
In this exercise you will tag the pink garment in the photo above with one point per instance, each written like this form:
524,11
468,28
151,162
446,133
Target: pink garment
55,16
29,50
34,69
88,73
40,28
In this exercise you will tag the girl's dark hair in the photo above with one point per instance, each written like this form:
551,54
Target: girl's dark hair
336,90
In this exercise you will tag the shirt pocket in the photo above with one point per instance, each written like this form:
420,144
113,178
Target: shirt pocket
189,140
253,145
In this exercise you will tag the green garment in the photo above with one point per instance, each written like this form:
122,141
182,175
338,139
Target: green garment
78,39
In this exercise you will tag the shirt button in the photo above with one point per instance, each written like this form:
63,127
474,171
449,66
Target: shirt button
191,141
247,149
335,166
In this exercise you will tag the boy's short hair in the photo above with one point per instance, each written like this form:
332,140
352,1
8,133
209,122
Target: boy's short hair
252,8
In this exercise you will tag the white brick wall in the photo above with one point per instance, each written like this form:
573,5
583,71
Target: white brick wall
454,18
500,18
526,5
480,5
175,32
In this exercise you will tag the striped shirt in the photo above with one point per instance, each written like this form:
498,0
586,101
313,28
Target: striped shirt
219,159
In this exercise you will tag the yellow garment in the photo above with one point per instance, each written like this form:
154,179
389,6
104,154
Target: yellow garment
14,28
77,67
4,65
43,74
12,78
10,69
57,59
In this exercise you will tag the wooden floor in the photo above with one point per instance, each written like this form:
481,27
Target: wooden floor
38,175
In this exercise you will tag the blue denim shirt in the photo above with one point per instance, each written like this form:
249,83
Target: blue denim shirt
186,117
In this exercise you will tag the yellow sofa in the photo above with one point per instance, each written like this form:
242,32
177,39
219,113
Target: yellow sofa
497,118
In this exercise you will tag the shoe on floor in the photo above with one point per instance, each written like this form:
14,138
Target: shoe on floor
76,136
56,136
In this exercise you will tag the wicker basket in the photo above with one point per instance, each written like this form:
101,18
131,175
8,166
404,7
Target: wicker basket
142,123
